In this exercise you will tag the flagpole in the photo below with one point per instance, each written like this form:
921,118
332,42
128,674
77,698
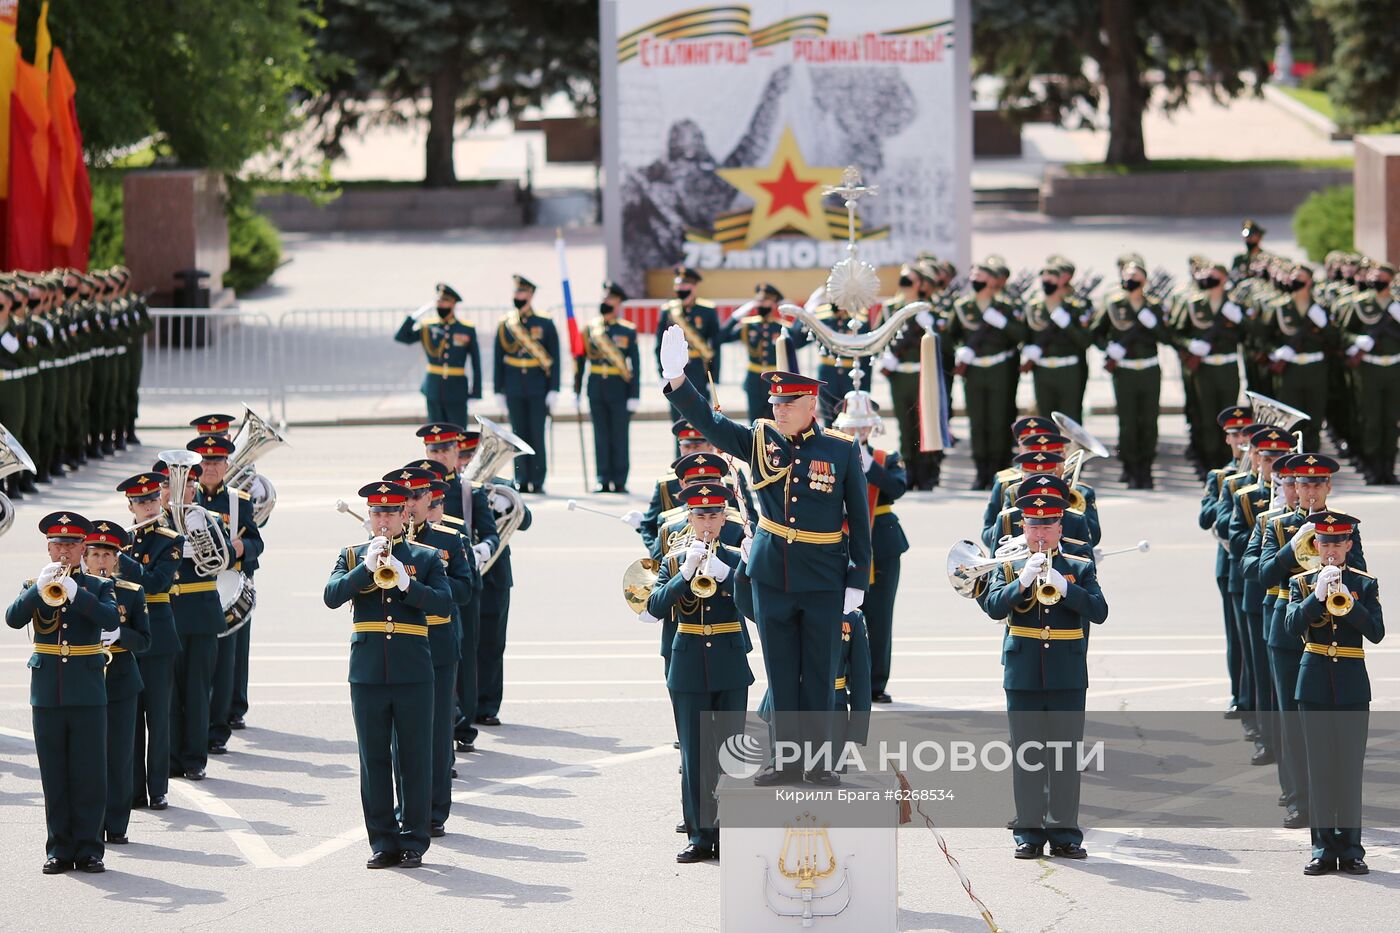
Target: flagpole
576,350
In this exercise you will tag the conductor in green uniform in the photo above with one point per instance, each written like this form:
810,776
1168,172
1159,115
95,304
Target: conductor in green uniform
613,365
74,615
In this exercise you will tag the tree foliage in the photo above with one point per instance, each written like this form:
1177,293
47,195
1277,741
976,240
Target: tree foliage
1071,58
446,61
1364,72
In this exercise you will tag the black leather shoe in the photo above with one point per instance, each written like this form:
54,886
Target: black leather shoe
488,720
1262,756
26,483
132,439
237,723
693,853
218,749
1069,850
771,777
454,774
1320,866
601,487
383,860
1294,819
1283,800
116,839
57,866
1026,850
411,859
462,745
881,697
160,803
681,827
1233,712
823,778
90,864
194,774
1355,866
437,830
108,449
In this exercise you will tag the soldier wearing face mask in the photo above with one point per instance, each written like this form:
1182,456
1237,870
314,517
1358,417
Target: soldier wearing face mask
1208,332
757,325
1128,328
1053,351
450,347
1301,334
1253,236
901,364
1370,334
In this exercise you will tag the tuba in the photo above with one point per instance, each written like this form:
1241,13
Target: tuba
498,446
254,438
1086,447
211,551
969,562
13,459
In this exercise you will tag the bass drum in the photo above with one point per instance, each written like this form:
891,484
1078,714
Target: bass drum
238,598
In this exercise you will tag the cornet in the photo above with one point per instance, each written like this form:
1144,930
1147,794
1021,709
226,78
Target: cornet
53,593
384,576
1046,593
702,584
1339,601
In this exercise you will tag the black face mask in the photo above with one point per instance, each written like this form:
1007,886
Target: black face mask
519,302
444,312
905,281
1049,286
766,309
606,308
1131,285
69,291
1350,280
1208,282
1297,285
683,293
977,285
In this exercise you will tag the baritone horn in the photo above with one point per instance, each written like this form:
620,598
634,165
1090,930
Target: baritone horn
255,437
212,552
969,563
1087,447
497,447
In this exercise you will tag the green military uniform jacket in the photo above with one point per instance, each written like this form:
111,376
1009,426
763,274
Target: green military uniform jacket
194,598
715,657
155,555
463,582
966,327
1118,322
1060,346
1277,565
450,347
66,668
123,675
1326,678
614,360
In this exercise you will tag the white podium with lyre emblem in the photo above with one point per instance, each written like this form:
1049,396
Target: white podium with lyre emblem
807,866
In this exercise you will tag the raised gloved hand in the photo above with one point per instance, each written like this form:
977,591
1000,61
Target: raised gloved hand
1296,541
70,588
994,317
675,353
1115,351
1198,347
633,404
109,637
1060,317
481,553
1317,315
693,555
1147,318
1363,343
549,398
1232,312
964,356
47,574
1325,578
854,599
866,458
924,319
1057,580
1284,354
647,617
1032,568
500,401
632,519
717,568
400,574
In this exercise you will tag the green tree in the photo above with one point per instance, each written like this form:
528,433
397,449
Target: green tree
471,60
1070,57
1364,72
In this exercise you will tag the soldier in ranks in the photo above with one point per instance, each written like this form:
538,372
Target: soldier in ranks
709,673
613,363
1253,235
153,557
444,629
665,494
1209,329
391,673
1045,674
757,324
885,482
1054,347
1301,335
810,560
1011,523
1128,328
1248,503
235,508
986,328
833,371
103,550
527,380
199,620
692,470
1332,679
1371,337
450,347
441,443
901,364
39,339
699,321
14,373
1235,423
68,693
1230,483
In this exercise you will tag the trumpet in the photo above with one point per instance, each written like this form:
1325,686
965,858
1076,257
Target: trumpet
384,576
702,584
1046,593
1339,601
53,592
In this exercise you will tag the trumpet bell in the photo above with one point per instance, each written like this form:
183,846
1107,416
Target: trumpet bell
1339,602
1047,594
638,580
384,577
703,586
53,594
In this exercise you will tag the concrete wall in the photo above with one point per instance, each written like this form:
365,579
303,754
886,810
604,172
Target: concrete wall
400,208
1237,193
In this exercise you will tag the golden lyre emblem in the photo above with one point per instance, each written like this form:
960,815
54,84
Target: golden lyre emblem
806,855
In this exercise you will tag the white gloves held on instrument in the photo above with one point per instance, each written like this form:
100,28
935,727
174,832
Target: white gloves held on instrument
717,568
377,546
401,577
1317,316
499,503
1057,580
1032,568
693,555
647,617
924,319
675,353
1325,578
481,553
195,519
964,356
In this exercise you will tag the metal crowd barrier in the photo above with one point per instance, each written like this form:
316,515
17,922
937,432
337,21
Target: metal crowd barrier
223,353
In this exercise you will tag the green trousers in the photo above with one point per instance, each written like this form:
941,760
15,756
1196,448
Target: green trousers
1059,389
1139,397
71,742
389,719
700,753
1047,798
13,400
991,402
1378,404
1335,738
879,619
921,466
121,748
1215,388
1305,388
151,748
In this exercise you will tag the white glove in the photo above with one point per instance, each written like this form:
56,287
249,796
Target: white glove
500,402
924,319
578,401
481,553
1030,353
499,503
1298,536
195,519
963,356
1394,309
1032,568
1325,578
549,398
1364,343
1317,316
1285,353
889,361
1232,312
633,519
1061,317
9,342
693,555
1278,499
866,458
744,309
994,317
1057,580
1115,350
70,587
717,568
745,546
633,404
1148,319
1198,347
675,353
854,599
400,573
645,616
109,637
377,546
1098,554
47,574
